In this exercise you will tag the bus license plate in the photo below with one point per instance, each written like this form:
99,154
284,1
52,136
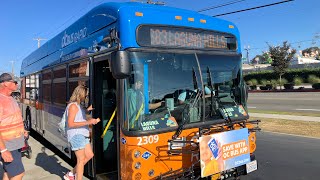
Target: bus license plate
251,166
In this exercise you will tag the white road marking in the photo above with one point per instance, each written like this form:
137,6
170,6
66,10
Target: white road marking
251,107
308,109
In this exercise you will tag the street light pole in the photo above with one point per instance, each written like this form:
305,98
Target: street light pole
12,67
247,49
39,39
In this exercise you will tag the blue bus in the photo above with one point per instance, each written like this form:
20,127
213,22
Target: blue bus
166,83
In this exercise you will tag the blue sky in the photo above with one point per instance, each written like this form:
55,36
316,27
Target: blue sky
22,21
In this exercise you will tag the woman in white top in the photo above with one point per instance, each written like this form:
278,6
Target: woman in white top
78,132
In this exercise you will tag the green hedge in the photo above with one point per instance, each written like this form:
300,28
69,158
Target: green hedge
289,75
316,86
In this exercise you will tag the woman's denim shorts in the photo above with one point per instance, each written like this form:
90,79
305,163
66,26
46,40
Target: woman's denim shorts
78,141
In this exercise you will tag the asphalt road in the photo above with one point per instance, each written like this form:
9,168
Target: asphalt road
287,102
282,157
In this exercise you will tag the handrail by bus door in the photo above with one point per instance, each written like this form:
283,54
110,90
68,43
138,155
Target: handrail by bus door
109,123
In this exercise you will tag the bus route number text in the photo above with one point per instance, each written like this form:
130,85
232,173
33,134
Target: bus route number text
187,39
147,140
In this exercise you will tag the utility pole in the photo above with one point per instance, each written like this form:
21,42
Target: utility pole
247,49
39,39
12,67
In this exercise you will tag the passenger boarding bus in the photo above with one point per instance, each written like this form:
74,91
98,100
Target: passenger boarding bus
166,83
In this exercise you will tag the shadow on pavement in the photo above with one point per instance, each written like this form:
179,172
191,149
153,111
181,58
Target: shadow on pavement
47,162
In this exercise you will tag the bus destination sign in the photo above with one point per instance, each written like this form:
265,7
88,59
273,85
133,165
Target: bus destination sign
180,37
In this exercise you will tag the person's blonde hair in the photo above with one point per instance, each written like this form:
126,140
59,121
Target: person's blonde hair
79,92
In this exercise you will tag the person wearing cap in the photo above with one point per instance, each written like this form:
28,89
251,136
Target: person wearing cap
12,130
184,95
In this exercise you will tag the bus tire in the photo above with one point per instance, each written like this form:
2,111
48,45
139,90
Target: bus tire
27,122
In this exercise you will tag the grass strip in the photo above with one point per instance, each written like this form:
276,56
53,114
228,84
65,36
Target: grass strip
304,128
314,114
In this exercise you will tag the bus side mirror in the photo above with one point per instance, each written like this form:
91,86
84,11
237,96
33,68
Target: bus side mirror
120,65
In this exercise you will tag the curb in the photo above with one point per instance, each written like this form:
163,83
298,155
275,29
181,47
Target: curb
284,90
291,134
286,117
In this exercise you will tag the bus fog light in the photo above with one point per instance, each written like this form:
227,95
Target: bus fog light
137,154
151,173
137,165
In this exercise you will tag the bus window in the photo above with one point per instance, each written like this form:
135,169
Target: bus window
59,93
146,105
46,91
46,75
59,84
59,73
78,70
46,86
156,103
34,87
77,75
27,87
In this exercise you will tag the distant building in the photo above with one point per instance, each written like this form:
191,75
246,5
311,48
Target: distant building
303,60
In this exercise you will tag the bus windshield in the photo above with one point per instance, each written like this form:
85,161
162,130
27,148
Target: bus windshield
165,89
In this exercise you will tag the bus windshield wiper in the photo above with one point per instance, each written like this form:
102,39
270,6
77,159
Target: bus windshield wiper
194,79
215,99
184,117
196,99
213,106
195,85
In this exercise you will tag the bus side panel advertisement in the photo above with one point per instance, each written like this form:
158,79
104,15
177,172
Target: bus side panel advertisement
223,151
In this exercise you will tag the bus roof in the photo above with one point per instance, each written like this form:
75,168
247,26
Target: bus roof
80,38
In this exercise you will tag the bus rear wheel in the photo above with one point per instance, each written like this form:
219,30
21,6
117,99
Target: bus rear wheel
27,122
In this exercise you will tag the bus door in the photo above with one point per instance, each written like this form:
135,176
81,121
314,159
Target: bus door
104,97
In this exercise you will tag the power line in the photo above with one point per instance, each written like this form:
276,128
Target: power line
257,7
221,5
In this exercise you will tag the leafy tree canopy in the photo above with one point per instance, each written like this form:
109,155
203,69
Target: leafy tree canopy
281,57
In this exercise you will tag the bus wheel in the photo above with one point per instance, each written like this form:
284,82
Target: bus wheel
27,122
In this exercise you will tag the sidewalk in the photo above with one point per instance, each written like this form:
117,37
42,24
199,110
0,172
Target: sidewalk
44,164
287,117
301,88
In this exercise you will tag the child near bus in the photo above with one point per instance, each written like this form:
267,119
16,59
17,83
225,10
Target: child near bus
78,132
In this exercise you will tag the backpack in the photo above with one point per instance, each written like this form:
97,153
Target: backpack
62,123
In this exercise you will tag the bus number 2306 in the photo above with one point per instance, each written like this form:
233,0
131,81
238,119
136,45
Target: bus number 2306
147,140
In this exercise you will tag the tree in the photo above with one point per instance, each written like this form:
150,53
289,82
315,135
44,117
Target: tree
258,59
281,57
262,59
267,57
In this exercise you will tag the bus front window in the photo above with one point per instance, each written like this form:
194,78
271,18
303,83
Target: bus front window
164,88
